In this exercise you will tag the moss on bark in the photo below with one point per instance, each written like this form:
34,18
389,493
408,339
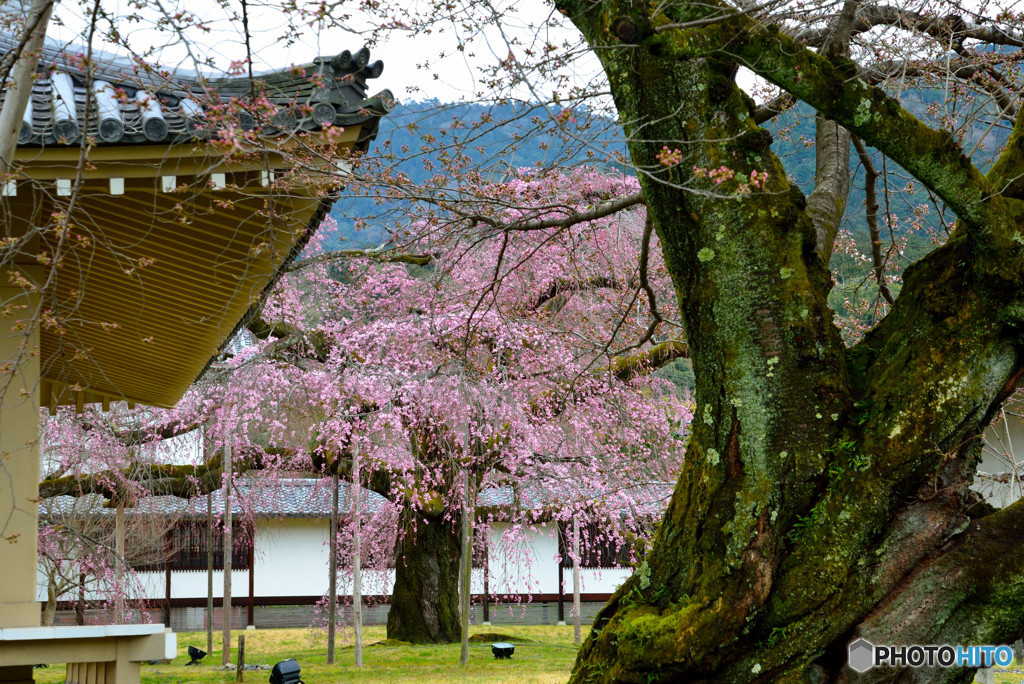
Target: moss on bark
425,600
820,482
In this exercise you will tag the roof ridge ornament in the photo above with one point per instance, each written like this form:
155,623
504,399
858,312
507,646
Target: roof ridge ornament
135,106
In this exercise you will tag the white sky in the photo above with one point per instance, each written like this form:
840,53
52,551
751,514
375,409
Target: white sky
451,74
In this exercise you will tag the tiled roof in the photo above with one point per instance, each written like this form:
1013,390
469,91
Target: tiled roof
649,498
311,498
285,498
134,104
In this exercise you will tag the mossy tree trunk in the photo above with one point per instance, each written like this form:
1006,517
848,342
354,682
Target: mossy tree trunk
425,600
825,491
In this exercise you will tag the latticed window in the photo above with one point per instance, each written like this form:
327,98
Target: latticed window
597,548
188,542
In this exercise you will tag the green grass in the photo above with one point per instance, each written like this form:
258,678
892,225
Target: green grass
546,654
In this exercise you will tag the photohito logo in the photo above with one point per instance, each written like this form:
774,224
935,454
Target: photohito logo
864,655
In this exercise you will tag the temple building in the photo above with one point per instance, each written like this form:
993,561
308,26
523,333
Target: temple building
145,213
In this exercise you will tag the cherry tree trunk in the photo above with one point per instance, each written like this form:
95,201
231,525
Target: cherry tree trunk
50,609
425,600
825,492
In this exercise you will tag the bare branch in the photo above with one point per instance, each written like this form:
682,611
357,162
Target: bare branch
871,215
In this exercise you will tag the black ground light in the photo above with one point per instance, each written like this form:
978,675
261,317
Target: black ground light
502,649
196,655
286,672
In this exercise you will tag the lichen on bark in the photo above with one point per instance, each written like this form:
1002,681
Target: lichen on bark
825,488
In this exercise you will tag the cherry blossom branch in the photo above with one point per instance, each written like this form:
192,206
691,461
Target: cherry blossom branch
932,156
769,110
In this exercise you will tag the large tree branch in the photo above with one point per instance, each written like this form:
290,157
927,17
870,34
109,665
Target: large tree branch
968,592
951,29
152,433
835,91
383,256
769,110
827,203
184,481
628,367
563,217
562,286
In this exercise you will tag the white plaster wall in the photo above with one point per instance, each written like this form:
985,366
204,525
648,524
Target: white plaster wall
292,560
291,557
529,565
523,562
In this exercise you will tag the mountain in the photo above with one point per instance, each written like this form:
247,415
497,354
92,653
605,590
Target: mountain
527,138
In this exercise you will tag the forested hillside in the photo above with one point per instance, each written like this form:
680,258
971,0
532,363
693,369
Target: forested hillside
524,141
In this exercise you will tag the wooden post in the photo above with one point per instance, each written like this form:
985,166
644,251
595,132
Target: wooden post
167,592
576,580
467,567
332,565
357,561
240,672
209,572
226,609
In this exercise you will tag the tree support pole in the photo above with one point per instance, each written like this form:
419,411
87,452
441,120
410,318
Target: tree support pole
357,561
467,567
332,565
119,534
22,78
576,581
226,610
209,570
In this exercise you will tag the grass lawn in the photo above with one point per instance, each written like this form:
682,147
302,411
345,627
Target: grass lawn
543,654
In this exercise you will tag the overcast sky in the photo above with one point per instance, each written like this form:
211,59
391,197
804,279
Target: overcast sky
451,74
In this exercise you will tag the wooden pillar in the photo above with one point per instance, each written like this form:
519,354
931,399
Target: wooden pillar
19,464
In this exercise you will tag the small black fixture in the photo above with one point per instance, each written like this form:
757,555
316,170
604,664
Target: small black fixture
286,672
196,655
502,649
